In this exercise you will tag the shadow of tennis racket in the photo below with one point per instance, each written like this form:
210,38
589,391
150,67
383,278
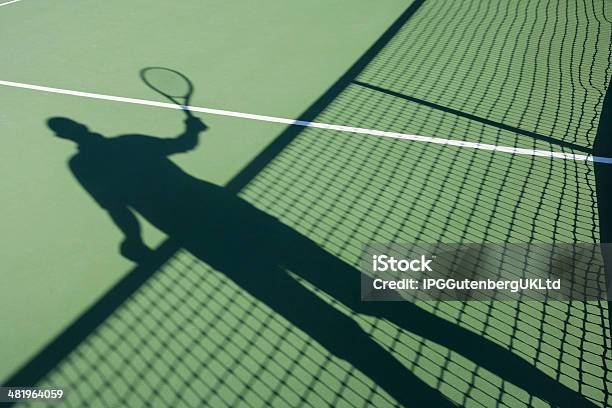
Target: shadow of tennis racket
171,84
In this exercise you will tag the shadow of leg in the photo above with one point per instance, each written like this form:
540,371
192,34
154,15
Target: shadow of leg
342,281
338,333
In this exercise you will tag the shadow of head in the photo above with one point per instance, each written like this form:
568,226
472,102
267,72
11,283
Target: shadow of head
65,128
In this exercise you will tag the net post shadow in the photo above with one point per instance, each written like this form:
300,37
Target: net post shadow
602,147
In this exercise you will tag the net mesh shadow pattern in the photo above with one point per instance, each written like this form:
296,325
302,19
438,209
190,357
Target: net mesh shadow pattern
539,67
526,74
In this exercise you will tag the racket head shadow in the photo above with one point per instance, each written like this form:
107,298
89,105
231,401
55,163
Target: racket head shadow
169,83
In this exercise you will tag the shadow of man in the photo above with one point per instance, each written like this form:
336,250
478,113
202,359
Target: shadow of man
133,173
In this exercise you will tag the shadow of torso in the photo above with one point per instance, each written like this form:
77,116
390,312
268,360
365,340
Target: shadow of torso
134,171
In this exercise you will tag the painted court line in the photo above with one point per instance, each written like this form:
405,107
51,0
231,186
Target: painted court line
318,125
9,2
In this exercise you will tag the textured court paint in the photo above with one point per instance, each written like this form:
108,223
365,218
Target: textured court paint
60,248
317,125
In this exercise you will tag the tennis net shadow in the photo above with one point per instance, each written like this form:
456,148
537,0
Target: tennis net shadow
536,136
346,191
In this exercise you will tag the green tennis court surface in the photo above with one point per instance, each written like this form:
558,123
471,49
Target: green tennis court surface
526,77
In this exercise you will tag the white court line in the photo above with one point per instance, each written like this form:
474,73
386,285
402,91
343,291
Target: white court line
9,2
318,125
